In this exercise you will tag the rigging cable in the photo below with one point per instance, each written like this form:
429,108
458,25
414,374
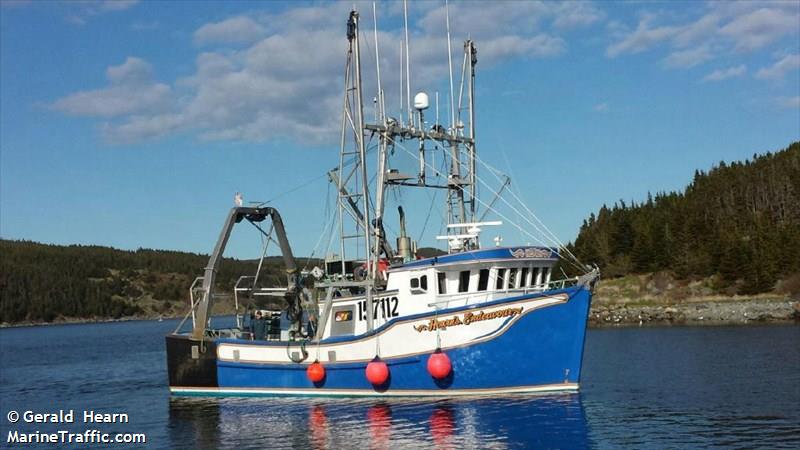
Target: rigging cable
513,223
552,235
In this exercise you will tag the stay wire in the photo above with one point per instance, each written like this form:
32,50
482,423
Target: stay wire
507,219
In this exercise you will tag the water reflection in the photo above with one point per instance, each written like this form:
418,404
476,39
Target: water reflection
194,422
553,421
318,427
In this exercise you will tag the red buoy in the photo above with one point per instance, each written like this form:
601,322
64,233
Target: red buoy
315,372
377,372
439,365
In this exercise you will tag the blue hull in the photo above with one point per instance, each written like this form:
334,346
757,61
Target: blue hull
542,351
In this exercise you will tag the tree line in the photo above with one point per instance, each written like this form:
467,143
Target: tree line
739,222
40,283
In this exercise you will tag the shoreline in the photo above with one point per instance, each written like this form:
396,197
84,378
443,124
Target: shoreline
603,314
712,312
84,321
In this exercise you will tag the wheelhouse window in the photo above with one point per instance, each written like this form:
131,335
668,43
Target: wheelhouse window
419,285
523,278
483,279
512,278
501,279
463,281
441,278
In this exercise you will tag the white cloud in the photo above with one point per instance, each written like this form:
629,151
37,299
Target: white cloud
601,107
132,71
284,79
724,74
116,5
515,17
84,10
789,102
540,45
239,29
760,27
780,68
131,91
139,127
721,28
701,29
641,39
688,58
576,14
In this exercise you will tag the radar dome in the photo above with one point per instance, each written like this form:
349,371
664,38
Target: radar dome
421,101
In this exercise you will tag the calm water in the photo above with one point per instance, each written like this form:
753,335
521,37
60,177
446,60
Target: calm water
731,387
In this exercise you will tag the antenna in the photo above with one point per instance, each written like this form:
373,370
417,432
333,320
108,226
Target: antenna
408,65
450,65
382,116
401,83
437,108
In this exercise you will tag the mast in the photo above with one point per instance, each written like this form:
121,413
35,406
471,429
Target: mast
352,36
473,60
380,235
352,180
408,67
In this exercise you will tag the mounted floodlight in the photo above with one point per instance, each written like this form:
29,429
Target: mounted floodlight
421,101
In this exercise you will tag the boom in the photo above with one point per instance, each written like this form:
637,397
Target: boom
252,214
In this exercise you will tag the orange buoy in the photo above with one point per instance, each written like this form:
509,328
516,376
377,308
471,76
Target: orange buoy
377,372
439,365
315,372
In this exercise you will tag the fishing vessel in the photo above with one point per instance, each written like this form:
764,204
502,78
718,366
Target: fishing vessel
380,318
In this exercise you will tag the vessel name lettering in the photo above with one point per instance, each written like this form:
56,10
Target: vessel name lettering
467,319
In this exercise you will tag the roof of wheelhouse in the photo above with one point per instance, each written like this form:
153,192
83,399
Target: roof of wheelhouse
523,253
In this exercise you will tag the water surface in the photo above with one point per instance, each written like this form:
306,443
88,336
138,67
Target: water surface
692,387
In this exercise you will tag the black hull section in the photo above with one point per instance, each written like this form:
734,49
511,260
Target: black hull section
191,362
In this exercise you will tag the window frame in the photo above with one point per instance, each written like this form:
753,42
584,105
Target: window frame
421,282
441,283
512,278
500,279
463,282
483,280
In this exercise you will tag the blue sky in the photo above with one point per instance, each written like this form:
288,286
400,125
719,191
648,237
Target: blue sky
132,124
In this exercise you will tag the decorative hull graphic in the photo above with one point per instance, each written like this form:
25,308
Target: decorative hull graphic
521,344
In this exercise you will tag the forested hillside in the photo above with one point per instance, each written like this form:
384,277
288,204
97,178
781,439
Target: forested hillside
738,222
44,282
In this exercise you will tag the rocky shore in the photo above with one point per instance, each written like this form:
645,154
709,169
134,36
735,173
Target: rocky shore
710,312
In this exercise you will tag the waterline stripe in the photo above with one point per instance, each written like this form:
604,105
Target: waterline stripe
314,392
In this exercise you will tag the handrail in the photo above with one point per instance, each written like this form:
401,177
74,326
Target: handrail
191,311
192,302
236,290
